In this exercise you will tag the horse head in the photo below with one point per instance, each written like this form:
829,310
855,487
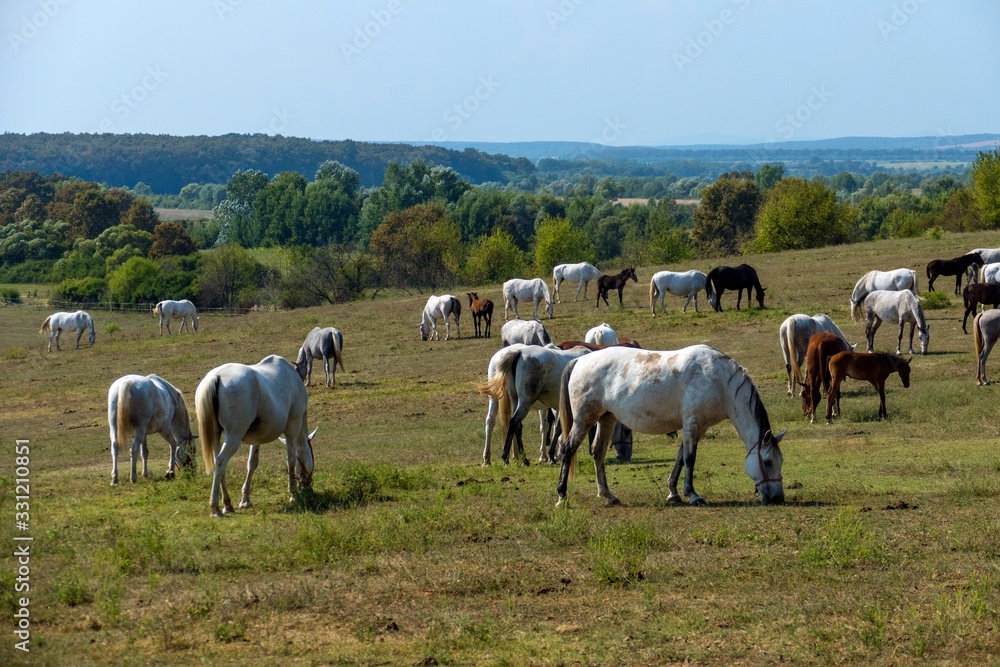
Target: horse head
903,368
301,364
807,400
763,465
630,273
424,330
472,297
548,307
303,459
760,296
195,320
183,456
925,337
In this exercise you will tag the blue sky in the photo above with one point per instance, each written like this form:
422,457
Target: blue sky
623,73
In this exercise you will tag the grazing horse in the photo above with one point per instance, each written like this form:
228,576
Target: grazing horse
822,346
581,273
952,267
793,338
622,342
519,289
482,311
519,377
742,277
171,309
139,406
873,368
895,281
617,281
326,344
901,307
659,393
989,273
527,332
602,334
985,330
688,284
254,404
440,306
979,293
79,322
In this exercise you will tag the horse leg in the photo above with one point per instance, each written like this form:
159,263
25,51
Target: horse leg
488,317
491,419
79,334
570,445
899,341
739,297
882,412
114,456
169,332
145,458
599,449
580,286
833,398
958,283
252,461
517,315
545,420
983,356
965,318
136,451
620,302
161,325
688,302
230,444
513,429
689,447
172,465
870,328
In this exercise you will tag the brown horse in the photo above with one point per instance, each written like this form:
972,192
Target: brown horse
607,283
871,367
979,293
822,346
482,311
952,267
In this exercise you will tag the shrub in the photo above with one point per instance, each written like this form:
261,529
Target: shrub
80,290
494,258
9,295
935,301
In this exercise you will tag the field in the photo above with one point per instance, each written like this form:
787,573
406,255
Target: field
409,552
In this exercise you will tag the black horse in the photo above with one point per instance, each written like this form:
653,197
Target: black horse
608,283
979,293
737,278
951,267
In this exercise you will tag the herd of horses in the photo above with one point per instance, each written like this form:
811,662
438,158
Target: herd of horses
604,387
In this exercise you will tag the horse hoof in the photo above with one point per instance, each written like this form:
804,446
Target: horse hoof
613,501
698,501
228,509
562,502
215,513
526,463
676,500
114,482
245,504
170,475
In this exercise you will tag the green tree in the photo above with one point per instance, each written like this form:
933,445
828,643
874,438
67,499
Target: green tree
986,187
494,258
30,209
228,277
725,219
169,238
135,281
141,215
768,176
418,247
346,178
91,213
557,241
279,211
235,214
800,214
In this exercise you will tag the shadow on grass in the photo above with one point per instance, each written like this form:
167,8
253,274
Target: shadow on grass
320,502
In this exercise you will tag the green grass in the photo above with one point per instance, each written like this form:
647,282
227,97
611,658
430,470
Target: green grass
406,549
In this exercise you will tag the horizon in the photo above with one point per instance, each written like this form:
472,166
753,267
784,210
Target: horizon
729,72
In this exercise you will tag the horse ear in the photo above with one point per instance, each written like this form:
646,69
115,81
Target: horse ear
312,435
779,436
282,438
194,437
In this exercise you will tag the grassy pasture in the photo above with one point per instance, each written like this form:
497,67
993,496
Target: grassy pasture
409,552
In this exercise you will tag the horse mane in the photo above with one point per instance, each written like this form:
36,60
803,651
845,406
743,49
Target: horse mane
755,403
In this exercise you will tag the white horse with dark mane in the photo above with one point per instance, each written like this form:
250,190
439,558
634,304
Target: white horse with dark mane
326,344
79,322
581,273
894,281
793,337
520,377
440,307
690,389
686,283
184,309
528,332
519,289
897,307
140,406
602,334
255,404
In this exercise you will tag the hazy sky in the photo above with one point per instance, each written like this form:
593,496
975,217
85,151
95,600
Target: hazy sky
624,73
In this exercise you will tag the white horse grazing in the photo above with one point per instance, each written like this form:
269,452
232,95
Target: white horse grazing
793,337
326,344
170,309
521,377
901,307
139,406
985,330
79,322
581,273
989,273
528,332
519,289
256,404
896,280
659,393
602,334
440,306
687,283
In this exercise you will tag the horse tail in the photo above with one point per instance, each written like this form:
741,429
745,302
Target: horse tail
965,297
338,347
916,287
45,325
206,401
653,293
977,335
793,360
566,410
709,286
546,339
499,387
857,309
980,272
123,416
